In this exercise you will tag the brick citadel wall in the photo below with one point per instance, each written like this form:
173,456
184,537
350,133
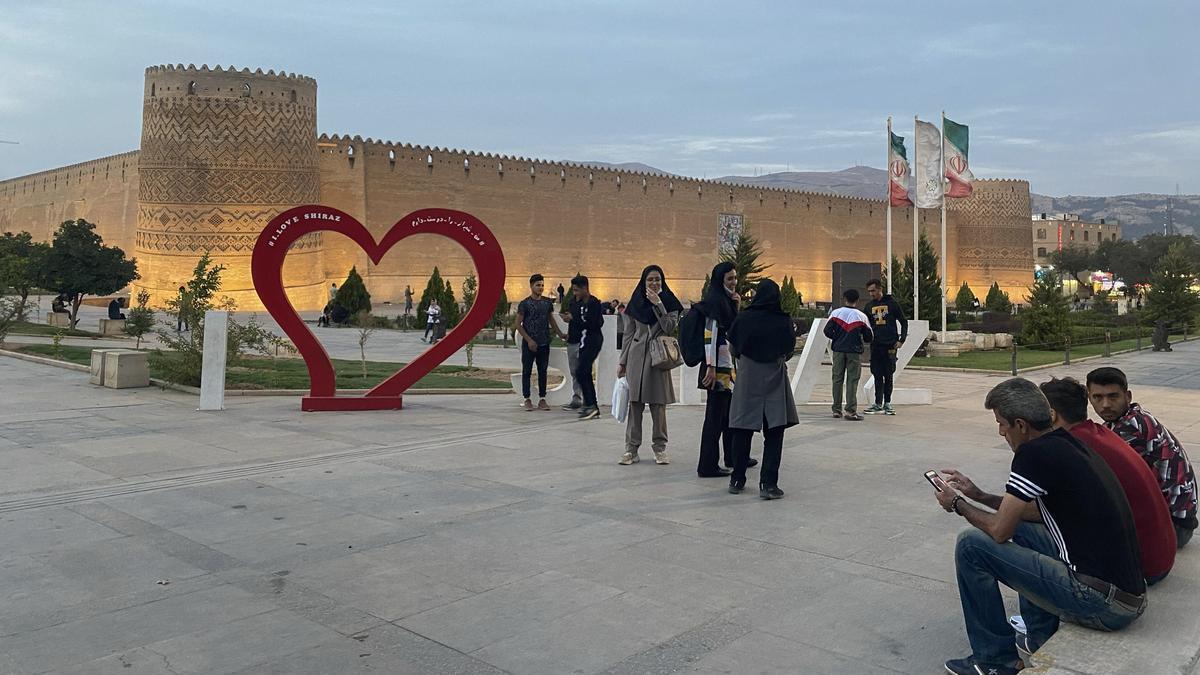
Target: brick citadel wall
223,151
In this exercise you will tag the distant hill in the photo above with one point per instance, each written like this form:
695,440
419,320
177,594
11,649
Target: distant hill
1139,214
626,166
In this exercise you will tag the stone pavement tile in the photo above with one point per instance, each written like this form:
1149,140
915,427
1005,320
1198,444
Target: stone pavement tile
176,456
338,479
460,563
118,566
301,600
166,508
593,638
382,649
682,650
27,469
37,530
486,618
427,501
76,642
759,653
237,522
383,591
136,661
234,645
28,586
341,532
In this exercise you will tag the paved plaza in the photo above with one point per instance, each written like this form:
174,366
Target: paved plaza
463,535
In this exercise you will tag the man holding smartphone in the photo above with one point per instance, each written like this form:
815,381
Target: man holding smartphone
1062,536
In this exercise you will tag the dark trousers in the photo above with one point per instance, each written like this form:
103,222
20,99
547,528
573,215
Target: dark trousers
528,356
883,369
716,432
772,454
583,373
428,327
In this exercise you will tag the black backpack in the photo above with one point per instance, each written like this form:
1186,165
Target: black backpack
691,337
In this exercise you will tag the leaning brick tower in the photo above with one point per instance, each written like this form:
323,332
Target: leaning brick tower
995,237
224,151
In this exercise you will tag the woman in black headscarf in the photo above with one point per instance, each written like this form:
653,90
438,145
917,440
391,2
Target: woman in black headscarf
653,311
717,374
762,339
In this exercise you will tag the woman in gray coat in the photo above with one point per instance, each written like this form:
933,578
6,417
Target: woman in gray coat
762,338
653,311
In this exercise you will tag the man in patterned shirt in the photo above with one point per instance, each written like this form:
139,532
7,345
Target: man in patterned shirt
1108,390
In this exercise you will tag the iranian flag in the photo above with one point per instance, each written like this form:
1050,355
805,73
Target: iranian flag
898,171
958,172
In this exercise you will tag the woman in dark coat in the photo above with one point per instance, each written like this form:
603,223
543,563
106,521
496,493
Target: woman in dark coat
717,375
653,311
762,340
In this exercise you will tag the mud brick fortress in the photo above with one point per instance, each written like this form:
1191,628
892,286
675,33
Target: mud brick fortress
224,150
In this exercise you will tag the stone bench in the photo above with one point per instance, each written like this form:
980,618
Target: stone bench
120,368
112,326
58,320
951,349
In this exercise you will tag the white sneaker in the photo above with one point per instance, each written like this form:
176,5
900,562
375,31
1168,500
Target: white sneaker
629,458
661,458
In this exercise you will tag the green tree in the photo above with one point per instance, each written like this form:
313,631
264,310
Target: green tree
1071,261
503,306
789,298
1046,323
451,314
20,260
1126,260
997,300
140,319
1102,303
433,292
78,264
353,295
930,284
965,300
744,255
470,289
365,324
1171,297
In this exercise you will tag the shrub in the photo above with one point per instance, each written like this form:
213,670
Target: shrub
353,295
1046,323
140,319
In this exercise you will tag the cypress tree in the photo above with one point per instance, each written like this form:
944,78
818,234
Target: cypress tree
1046,323
353,295
997,300
965,300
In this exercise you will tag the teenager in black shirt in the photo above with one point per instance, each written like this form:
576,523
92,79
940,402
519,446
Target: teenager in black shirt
1062,536
591,338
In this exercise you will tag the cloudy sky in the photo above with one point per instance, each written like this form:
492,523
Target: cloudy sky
1094,98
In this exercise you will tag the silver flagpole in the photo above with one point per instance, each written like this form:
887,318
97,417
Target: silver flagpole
916,230
942,168
888,197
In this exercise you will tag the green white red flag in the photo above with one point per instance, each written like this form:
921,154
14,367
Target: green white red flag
897,172
958,171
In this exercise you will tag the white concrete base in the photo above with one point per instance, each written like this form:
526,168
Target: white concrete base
212,368
112,326
560,394
58,320
97,371
126,369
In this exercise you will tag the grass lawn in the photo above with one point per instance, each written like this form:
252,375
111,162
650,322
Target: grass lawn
1001,359
266,373
27,328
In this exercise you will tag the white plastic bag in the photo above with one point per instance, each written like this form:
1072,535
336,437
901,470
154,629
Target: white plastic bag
620,400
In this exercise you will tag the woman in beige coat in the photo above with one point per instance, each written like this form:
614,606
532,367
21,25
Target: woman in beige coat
653,311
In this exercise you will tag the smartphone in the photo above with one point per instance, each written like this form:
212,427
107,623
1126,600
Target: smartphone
935,479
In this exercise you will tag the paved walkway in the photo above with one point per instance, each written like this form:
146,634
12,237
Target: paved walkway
464,536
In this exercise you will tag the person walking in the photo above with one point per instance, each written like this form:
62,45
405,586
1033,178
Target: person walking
534,324
716,376
653,311
408,305
574,321
591,339
562,293
432,315
333,289
181,319
847,328
890,330
762,338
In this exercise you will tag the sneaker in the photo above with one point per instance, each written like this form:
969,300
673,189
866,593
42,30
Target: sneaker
888,409
874,409
968,666
770,492
736,486
837,414
575,404
591,413
629,458
542,405
853,417
661,457
527,405
1026,647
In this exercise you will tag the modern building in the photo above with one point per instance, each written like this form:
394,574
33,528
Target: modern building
1054,231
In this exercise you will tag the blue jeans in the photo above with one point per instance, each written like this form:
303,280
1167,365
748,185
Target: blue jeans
1029,565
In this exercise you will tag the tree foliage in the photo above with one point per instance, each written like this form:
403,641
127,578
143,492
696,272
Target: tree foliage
140,319
1073,260
20,260
352,295
964,301
470,290
451,314
78,264
789,297
744,255
930,283
997,300
503,307
439,289
1046,322
1171,297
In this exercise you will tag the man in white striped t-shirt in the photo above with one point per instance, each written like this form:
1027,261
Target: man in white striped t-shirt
1062,536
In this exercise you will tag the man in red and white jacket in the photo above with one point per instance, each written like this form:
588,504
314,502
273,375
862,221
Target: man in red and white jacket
849,330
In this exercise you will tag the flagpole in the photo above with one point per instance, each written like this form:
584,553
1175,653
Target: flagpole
887,196
916,231
942,177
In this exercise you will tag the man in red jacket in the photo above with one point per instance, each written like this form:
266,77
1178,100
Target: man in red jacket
1155,531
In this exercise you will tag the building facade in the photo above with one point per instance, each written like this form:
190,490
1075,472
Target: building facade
224,150
1054,231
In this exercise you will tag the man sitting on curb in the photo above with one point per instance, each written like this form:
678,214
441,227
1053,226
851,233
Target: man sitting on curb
1109,392
1079,563
1155,532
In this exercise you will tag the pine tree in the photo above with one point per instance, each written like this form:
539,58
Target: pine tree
930,284
965,300
353,295
450,310
470,289
744,255
433,291
997,300
789,300
502,308
1046,323
1171,297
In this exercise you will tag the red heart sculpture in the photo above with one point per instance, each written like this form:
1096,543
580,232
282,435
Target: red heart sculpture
266,268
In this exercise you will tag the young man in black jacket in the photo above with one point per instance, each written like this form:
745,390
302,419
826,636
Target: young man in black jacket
591,339
891,330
